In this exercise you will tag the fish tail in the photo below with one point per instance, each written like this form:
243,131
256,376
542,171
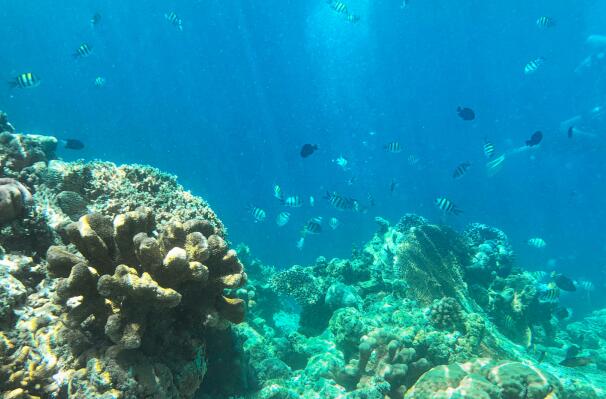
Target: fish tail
456,211
12,84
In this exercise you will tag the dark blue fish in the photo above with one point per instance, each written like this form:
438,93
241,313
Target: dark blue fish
73,144
535,139
308,149
467,114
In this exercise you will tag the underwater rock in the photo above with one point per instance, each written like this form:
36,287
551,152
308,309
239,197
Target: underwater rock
15,198
492,253
340,295
5,125
18,151
12,293
484,378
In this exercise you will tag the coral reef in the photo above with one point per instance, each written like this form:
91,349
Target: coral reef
128,281
117,283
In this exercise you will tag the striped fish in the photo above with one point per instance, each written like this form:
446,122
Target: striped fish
294,201
334,223
278,192
446,206
84,50
257,213
534,65
585,285
495,165
342,203
539,275
537,242
339,6
282,218
174,19
352,18
313,226
393,147
412,160
488,149
509,322
461,170
25,81
545,22
549,292
99,81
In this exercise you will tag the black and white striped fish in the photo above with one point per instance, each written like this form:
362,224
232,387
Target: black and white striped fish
278,192
282,218
313,226
25,81
446,206
99,81
84,50
294,201
257,213
461,170
549,292
393,147
352,18
545,22
174,19
342,203
338,6
534,65
488,149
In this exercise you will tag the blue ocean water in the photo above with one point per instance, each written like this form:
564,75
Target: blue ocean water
227,103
